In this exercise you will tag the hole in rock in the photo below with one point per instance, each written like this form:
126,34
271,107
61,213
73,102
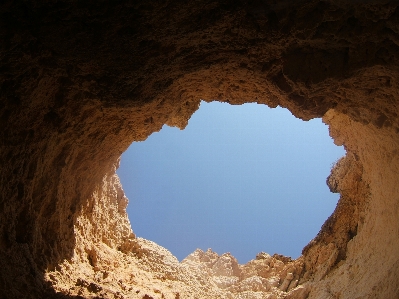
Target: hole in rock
240,179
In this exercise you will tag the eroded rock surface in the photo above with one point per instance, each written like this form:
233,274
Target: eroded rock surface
80,81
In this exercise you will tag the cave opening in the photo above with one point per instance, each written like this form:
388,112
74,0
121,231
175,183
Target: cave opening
240,179
80,83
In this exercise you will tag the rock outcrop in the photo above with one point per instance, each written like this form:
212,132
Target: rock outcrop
80,81
263,277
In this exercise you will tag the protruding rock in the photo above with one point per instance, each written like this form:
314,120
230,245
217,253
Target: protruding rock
300,292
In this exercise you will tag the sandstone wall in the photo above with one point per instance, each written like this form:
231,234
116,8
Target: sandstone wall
80,81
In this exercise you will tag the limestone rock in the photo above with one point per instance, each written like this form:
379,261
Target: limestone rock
79,82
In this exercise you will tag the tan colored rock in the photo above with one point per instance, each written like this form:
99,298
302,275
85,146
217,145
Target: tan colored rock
79,83
300,292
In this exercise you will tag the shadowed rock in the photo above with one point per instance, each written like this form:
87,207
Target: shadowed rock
80,81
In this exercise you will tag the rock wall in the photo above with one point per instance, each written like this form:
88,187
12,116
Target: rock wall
80,81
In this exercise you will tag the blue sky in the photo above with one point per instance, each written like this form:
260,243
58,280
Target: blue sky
240,179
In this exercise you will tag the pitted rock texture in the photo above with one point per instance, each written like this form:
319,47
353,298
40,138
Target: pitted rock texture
81,81
264,276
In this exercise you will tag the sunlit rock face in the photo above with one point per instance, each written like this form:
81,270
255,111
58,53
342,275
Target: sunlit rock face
80,82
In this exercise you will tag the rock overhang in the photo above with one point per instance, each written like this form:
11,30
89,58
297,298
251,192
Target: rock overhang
80,82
